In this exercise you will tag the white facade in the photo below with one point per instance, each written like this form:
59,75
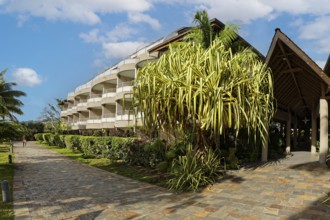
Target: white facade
98,104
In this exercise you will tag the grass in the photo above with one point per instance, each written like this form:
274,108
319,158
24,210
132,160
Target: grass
6,173
118,167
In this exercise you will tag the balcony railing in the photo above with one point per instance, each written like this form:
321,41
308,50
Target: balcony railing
82,122
125,112
109,93
82,104
95,119
110,90
125,86
87,85
81,101
95,95
109,117
95,98
127,61
125,115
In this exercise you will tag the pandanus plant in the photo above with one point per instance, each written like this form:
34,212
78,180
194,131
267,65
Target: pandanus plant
204,90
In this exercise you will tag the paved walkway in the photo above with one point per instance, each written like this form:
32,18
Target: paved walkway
50,186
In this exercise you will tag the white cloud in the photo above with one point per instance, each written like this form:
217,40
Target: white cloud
246,11
92,36
114,43
239,10
26,77
82,11
143,18
298,7
121,49
120,32
317,30
98,63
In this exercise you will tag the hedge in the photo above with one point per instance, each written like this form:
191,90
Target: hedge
128,149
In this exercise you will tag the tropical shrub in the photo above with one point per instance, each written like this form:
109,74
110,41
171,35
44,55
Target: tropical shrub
38,137
88,145
194,170
72,142
47,138
118,148
59,140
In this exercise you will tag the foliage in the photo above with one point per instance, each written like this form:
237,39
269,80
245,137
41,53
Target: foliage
232,159
88,145
118,150
204,91
48,138
32,128
9,99
148,154
38,137
59,140
130,150
72,142
194,170
52,119
7,173
11,131
326,201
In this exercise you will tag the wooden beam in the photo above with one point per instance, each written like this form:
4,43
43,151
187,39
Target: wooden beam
293,70
292,73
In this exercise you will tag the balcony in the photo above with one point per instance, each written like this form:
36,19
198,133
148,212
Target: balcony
108,120
124,88
82,105
94,100
127,65
69,111
78,124
108,96
125,115
109,74
94,122
64,113
83,89
71,96
111,117
74,109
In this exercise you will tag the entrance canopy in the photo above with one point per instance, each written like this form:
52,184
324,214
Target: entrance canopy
298,81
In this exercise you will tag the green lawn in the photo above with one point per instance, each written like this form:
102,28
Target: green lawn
135,172
6,173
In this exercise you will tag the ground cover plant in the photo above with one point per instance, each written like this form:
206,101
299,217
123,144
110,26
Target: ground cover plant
6,173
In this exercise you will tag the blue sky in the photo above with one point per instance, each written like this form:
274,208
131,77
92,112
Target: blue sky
52,46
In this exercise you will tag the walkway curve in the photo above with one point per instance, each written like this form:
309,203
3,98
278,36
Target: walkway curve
50,186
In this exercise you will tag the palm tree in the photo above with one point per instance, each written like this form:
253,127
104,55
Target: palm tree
202,89
9,102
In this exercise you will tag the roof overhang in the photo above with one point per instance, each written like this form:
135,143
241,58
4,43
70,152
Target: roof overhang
299,82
